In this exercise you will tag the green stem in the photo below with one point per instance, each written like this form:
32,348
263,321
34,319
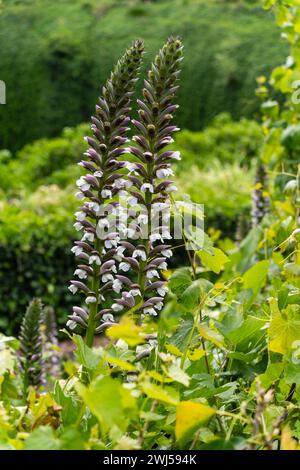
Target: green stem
190,339
93,308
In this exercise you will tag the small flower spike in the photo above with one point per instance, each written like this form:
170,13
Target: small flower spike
151,187
50,343
31,346
260,199
98,189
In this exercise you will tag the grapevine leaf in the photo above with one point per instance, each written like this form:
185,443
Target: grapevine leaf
189,415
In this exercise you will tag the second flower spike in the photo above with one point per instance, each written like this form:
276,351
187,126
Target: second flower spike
151,187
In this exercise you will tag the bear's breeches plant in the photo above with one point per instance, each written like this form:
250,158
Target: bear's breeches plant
97,188
126,258
151,186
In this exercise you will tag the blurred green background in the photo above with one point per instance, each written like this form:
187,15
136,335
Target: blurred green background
54,58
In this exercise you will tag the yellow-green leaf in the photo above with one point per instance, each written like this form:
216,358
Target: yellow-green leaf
158,393
171,348
211,335
215,261
287,441
115,361
7,361
284,328
128,331
196,354
190,414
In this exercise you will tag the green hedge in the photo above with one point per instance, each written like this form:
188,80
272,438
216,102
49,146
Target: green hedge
223,140
44,161
55,55
35,260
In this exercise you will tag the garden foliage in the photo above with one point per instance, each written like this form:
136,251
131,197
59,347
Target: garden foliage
218,368
38,203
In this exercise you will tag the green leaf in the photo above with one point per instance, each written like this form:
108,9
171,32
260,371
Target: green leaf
247,330
170,317
255,277
243,256
181,336
178,375
86,356
72,439
70,405
197,239
42,438
193,295
180,280
292,374
270,376
268,4
109,401
216,261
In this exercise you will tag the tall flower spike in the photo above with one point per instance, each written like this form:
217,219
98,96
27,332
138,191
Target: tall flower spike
98,187
31,345
151,186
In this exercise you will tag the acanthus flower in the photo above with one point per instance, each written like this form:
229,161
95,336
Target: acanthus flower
96,189
149,189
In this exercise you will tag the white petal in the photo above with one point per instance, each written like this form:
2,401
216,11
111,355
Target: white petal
124,267
73,289
117,307
167,253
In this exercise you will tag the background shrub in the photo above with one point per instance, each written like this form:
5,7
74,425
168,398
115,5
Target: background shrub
35,241
224,140
224,191
67,49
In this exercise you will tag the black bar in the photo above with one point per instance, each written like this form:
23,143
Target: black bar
149,459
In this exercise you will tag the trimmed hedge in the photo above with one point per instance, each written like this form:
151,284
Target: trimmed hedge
60,52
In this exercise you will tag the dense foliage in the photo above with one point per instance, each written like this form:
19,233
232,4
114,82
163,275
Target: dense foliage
62,50
218,367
